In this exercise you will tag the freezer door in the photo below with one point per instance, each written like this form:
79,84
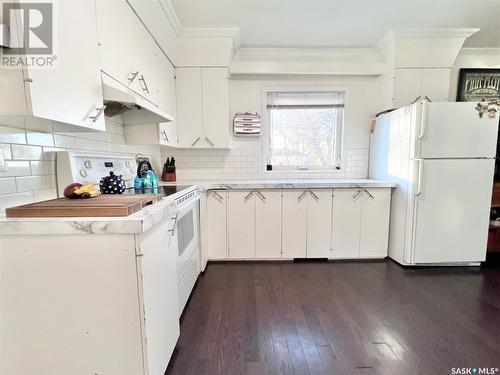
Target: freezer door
451,210
454,130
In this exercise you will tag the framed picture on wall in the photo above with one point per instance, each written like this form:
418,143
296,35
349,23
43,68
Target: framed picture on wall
477,84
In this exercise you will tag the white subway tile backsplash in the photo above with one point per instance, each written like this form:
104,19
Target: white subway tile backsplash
40,139
43,167
64,141
30,183
25,152
7,185
12,135
5,148
16,168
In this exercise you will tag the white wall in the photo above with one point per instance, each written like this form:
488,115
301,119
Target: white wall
245,159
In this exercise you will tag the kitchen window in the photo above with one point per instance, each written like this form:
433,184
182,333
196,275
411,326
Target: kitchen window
304,129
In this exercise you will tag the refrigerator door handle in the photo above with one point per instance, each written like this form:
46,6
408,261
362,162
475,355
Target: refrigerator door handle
420,176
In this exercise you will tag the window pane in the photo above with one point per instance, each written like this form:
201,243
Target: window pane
303,137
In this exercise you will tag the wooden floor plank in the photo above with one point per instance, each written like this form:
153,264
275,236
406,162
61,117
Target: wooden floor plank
339,318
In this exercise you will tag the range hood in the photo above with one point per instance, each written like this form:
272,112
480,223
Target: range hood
134,109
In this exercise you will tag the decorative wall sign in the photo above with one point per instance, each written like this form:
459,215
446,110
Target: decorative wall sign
476,85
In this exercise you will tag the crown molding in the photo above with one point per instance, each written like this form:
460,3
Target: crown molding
424,34
198,32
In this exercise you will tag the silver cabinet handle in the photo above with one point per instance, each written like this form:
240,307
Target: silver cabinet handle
261,195
218,196
248,196
132,77
369,194
172,230
143,80
314,195
98,114
209,142
196,141
356,196
165,135
301,196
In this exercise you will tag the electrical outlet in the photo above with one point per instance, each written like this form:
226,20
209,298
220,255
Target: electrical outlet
3,166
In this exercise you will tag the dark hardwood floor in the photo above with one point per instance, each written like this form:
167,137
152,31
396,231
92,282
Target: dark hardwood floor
339,318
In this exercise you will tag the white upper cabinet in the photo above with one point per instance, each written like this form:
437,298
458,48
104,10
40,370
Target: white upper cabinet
71,91
189,107
202,107
130,55
215,89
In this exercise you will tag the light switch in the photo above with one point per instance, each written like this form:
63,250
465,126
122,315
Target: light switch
3,166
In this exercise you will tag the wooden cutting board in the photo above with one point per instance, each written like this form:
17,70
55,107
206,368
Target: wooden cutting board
105,205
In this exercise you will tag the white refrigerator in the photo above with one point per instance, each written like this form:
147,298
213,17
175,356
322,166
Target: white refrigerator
442,157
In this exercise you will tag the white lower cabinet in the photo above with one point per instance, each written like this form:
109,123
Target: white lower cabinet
287,224
307,223
254,224
216,224
375,215
241,224
361,223
268,224
346,223
294,224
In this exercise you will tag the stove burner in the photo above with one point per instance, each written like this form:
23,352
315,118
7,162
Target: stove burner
164,191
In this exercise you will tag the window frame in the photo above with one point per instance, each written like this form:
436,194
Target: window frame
338,148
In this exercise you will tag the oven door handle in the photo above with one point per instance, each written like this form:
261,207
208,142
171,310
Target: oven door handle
172,230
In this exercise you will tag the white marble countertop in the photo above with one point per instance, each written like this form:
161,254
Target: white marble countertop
143,220
287,184
138,222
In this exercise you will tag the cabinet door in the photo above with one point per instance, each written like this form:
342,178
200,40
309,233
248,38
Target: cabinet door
125,46
346,223
268,224
294,224
436,84
189,107
375,223
215,88
167,134
166,86
158,268
241,224
407,86
319,223
216,224
71,92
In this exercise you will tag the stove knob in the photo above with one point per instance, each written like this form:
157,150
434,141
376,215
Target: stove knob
83,172
87,164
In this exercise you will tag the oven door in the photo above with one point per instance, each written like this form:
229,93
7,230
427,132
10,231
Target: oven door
187,234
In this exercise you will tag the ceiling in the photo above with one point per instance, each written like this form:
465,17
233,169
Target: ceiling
339,23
